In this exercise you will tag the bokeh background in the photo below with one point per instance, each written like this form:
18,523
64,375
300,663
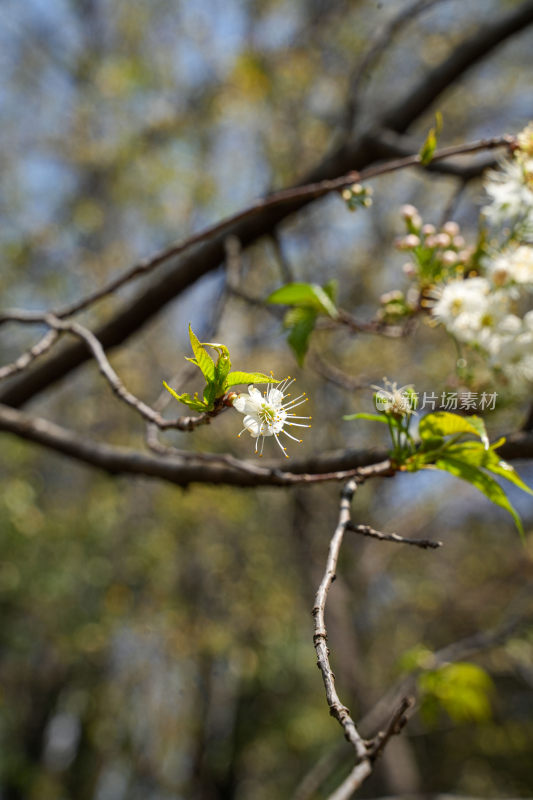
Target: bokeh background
156,642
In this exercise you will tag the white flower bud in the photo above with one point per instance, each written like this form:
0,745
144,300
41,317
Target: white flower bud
428,229
449,258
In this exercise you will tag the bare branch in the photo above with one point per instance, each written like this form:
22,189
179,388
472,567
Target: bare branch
181,423
366,530
354,780
194,468
394,726
184,469
365,752
376,50
335,375
337,709
462,58
390,145
259,219
456,651
40,348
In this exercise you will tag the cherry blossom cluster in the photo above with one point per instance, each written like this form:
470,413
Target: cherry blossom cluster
510,189
482,294
438,255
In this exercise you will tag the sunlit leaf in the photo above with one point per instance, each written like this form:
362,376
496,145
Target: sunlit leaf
365,415
237,378
444,423
475,454
222,368
305,295
461,689
203,359
191,402
430,145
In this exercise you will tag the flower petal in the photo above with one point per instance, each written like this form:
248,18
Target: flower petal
252,425
275,397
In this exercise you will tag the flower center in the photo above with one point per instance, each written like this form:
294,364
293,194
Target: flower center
456,306
267,414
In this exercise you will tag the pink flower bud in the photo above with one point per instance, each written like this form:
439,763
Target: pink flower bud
409,269
451,228
442,240
408,211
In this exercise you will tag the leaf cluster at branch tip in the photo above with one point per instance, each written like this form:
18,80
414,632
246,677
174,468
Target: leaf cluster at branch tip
217,376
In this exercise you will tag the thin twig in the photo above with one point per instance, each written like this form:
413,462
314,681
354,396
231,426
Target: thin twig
453,202
456,651
310,191
377,48
365,751
335,375
24,360
185,423
366,530
337,709
394,726
358,774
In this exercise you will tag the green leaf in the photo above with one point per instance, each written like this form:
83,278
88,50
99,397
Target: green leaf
364,415
430,145
331,288
221,348
444,423
475,454
490,488
237,378
505,470
462,689
305,295
301,322
203,359
191,402
222,368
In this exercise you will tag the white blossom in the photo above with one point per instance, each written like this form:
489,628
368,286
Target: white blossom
510,191
513,357
267,415
468,307
398,402
514,265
